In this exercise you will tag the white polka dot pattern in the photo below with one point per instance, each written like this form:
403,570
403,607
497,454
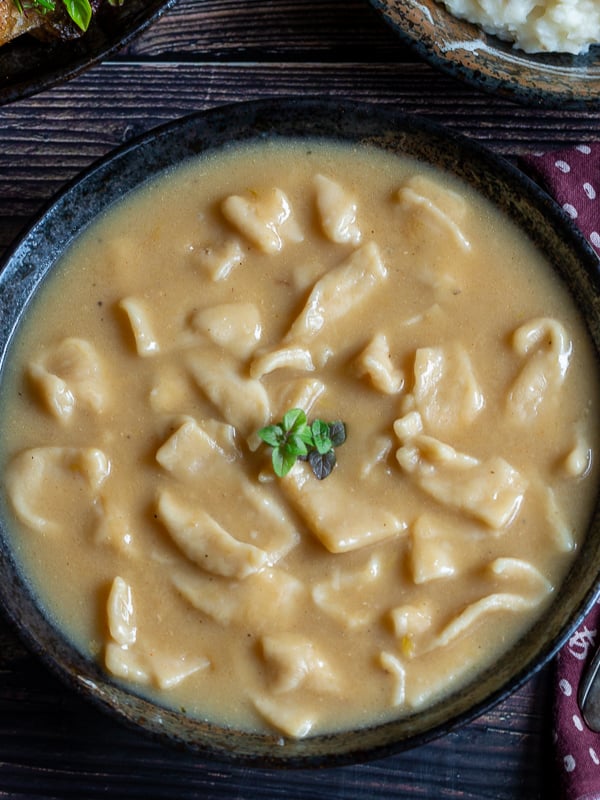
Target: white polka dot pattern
573,178
565,687
589,190
569,763
575,745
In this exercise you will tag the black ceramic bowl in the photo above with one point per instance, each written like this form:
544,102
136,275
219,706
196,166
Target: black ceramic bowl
463,50
34,256
28,66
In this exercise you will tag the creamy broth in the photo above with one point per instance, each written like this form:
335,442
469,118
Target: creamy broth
359,286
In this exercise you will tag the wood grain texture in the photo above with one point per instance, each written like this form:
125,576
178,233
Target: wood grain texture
265,30
200,54
48,139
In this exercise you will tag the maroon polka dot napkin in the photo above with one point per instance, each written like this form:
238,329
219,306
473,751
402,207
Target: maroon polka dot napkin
577,748
572,177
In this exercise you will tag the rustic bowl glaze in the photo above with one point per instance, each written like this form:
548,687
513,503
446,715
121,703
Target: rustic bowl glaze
33,257
485,62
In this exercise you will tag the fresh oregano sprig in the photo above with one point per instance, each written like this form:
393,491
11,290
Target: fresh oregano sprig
294,438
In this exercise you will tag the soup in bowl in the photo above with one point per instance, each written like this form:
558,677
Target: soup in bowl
300,404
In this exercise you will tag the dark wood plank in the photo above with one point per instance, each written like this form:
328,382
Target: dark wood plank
48,139
270,29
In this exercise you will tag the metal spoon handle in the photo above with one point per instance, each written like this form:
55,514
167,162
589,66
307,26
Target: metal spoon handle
588,691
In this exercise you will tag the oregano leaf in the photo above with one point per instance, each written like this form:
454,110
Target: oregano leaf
294,419
322,464
306,435
320,432
296,445
283,461
337,433
272,435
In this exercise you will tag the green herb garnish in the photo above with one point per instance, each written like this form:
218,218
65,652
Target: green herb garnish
80,11
295,438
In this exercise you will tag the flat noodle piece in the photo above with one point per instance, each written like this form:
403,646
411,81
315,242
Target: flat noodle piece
337,211
70,376
290,718
338,292
219,262
243,402
375,361
392,664
333,297
443,546
233,326
491,491
340,521
297,358
146,343
578,461
430,554
408,426
194,445
126,663
500,601
246,604
267,522
409,623
446,392
435,208
376,454
124,656
196,449
293,661
265,220
523,571
301,393
120,612
200,537
169,671
351,597
164,671
561,532
549,349
31,472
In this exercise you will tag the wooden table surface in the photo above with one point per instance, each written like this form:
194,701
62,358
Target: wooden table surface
200,54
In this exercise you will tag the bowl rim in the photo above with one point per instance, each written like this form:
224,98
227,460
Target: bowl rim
31,258
506,83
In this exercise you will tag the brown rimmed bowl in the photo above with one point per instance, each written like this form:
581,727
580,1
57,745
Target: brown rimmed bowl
464,51
32,259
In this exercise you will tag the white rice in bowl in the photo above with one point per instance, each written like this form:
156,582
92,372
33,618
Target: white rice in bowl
536,26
